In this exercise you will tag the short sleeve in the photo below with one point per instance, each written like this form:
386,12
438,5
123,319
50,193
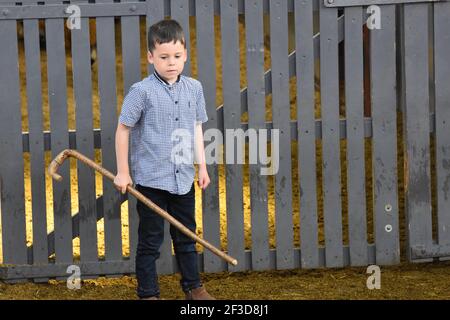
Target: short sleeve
201,115
132,106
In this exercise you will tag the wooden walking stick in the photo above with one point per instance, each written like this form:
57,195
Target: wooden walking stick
53,168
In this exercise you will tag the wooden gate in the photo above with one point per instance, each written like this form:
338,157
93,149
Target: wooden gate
363,115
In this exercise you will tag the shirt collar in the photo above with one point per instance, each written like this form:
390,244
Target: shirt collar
164,81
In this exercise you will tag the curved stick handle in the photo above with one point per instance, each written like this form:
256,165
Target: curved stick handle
54,165
61,157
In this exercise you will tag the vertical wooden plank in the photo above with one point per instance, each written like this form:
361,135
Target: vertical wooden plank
57,98
254,29
35,124
11,161
431,68
207,76
82,85
354,98
155,13
400,72
281,121
108,121
306,133
329,82
384,127
180,12
417,124
232,120
442,112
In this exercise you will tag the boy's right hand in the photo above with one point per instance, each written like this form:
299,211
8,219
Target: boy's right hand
121,181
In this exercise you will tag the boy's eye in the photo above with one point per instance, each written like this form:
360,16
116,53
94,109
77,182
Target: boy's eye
177,57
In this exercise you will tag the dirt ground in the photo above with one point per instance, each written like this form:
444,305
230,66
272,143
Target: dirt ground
409,281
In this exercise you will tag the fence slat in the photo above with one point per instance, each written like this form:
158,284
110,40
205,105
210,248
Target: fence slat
306,134
82,86
155,13
417,125
11,161
281,120
57,92
232,120
442,79
108,121
329,83
207,76
35,124
384,126
256,120
180,12
131,59
354,87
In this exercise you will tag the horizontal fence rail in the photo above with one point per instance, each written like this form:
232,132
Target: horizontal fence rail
244,126
54,9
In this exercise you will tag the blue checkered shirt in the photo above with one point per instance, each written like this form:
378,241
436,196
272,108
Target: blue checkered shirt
153,109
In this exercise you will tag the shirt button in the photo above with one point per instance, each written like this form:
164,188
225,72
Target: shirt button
176,102
176,119
176,171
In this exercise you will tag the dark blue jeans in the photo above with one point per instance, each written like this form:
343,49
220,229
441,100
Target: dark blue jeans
151,236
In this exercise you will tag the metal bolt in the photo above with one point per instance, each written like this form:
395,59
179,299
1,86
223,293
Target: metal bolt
330,1
388,228
133,8
388,208
5,12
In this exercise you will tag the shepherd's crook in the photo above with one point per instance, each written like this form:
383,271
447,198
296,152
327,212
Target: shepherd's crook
53,168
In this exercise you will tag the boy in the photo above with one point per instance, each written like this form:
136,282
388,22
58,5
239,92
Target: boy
155,110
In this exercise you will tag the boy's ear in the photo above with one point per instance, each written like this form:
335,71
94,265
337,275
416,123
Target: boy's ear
185,54
149,57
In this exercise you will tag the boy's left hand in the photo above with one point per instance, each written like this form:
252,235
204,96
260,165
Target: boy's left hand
203,178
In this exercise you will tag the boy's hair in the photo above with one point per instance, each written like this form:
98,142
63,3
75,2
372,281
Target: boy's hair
165,31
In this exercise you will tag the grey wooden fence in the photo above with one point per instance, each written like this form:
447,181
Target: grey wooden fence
401,67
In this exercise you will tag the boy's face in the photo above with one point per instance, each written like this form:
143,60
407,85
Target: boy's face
168,59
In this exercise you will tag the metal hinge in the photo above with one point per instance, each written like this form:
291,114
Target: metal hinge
348,3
